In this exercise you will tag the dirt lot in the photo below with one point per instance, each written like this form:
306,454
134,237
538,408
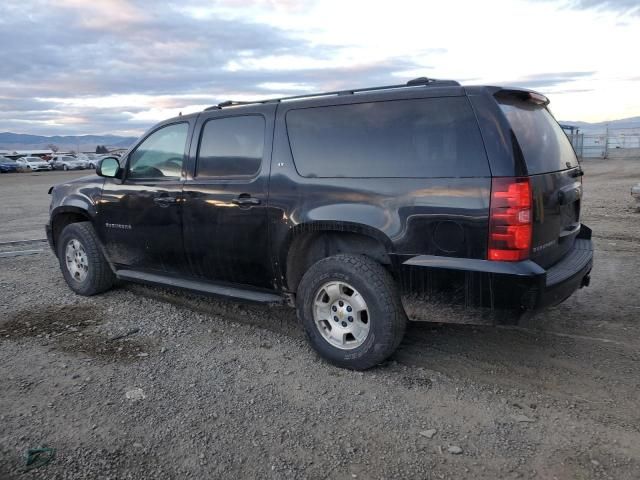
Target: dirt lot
203,388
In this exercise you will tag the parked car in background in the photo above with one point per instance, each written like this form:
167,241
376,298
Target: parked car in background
67,162
85,160
8,165
32,164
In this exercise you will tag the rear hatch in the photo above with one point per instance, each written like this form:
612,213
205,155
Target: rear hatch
554,172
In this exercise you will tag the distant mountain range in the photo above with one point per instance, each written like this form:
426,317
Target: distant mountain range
86,143
601,127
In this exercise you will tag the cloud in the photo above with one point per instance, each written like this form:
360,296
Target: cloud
104,50
628,7
621,7
549,80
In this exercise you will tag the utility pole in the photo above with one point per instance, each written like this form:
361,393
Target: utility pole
606,141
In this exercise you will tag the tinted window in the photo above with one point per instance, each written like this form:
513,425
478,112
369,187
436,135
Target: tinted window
436,137
231,147
544,145
160,154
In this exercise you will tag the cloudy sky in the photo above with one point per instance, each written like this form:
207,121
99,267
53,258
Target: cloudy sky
118,66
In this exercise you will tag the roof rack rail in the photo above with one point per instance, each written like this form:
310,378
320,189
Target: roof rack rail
416,82
429,81
228,103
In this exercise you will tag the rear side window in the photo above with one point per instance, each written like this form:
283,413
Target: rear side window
434,137
231,147
544,145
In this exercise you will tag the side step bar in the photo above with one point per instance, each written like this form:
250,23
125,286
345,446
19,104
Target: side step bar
200,287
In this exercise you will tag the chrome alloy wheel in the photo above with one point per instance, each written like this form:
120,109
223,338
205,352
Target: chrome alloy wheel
77,260
341,315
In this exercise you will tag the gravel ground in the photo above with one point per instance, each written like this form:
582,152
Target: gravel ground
148,383
25,203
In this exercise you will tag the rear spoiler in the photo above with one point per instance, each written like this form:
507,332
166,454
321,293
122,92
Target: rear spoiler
522,94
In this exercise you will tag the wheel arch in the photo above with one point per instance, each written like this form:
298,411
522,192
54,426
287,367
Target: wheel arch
66,215
309,242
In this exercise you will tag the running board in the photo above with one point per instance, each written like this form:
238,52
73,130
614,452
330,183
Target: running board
200,287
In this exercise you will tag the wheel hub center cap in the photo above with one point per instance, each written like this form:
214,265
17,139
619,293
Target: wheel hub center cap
342,310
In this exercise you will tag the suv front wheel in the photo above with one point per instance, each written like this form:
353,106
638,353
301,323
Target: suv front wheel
83,265
351,311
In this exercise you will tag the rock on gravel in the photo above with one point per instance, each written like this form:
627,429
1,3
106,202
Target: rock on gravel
135,394
428,433
523,419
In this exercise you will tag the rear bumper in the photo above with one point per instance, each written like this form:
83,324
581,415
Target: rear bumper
522,285
566,276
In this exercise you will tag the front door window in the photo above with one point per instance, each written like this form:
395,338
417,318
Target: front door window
161,154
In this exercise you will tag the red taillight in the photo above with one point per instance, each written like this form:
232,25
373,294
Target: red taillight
510,219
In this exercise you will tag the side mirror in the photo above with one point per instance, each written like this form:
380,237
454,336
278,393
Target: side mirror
108,167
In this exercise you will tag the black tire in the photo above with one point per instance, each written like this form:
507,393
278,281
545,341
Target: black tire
99,276
378,289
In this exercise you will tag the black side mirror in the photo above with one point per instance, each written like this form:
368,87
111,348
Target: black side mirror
108,167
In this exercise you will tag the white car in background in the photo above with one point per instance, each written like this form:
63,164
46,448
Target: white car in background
86,160
32,164
67,162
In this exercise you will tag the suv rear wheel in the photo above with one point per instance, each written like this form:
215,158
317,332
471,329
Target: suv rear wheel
351,311
83,265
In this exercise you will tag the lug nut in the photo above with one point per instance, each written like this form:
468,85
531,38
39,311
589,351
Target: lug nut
349,308
341,303
334,308
335,318
350,319
344,324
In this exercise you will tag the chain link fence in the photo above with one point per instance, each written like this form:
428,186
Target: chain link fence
612,143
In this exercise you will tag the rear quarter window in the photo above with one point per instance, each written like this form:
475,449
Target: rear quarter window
544,144
434,137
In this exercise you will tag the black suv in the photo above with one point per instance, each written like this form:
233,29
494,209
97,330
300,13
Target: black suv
362,207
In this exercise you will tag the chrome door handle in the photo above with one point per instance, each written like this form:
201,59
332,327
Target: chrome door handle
245,201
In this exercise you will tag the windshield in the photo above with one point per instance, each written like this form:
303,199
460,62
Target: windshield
544,145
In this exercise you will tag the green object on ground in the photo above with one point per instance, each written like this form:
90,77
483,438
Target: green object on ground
37,457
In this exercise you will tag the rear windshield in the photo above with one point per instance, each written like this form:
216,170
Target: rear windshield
544,144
